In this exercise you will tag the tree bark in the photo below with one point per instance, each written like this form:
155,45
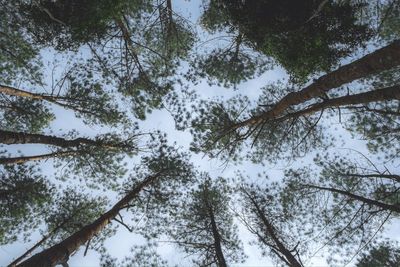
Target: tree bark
10,138
385,94
59,253
382,59
29,251
217,240
288,257
372,202
214,228
19,160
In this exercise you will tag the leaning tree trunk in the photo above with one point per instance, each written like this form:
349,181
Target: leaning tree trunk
286,254
383,59
19,160
59,253
385,94
10,138
371,202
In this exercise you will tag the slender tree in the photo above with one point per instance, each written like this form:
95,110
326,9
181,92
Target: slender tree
261,221
204,226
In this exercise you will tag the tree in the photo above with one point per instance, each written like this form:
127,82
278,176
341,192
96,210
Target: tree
95,159
77,91
165,168
354,201
285,120
304,37
23,194
69,212
276,233
384,254
204,226
20,59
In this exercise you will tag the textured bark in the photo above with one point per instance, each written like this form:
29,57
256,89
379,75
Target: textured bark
385,94
383,59
217,238
10,138
29,251
7,90
59,253
18,160
372,202
283,253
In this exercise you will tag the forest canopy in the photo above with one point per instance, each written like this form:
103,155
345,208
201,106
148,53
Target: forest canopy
199,133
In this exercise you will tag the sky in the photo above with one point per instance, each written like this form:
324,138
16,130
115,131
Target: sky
119,245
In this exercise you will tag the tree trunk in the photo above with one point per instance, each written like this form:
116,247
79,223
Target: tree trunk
59,253
287,255
9,138
18,160
386,94
372,202
29,251
214,228
383,59
7,90
217,240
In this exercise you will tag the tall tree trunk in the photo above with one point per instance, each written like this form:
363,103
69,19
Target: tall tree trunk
372,202
12,91
285,254
9,138
385,94
7,90
214,228
59,253
217,240
46,237
18,160
382,59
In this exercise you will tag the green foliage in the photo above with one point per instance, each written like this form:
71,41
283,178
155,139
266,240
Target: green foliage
217,130
67,24
346,224
139,256
19,58
24,115
304,37
70,211
193,230
23,195
264,213
384,254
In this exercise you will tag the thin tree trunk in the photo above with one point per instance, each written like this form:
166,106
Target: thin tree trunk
59,253
9,138
18,160
372,202
216,235
289,258
393,177
217,240
385,94
383,59
57,100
